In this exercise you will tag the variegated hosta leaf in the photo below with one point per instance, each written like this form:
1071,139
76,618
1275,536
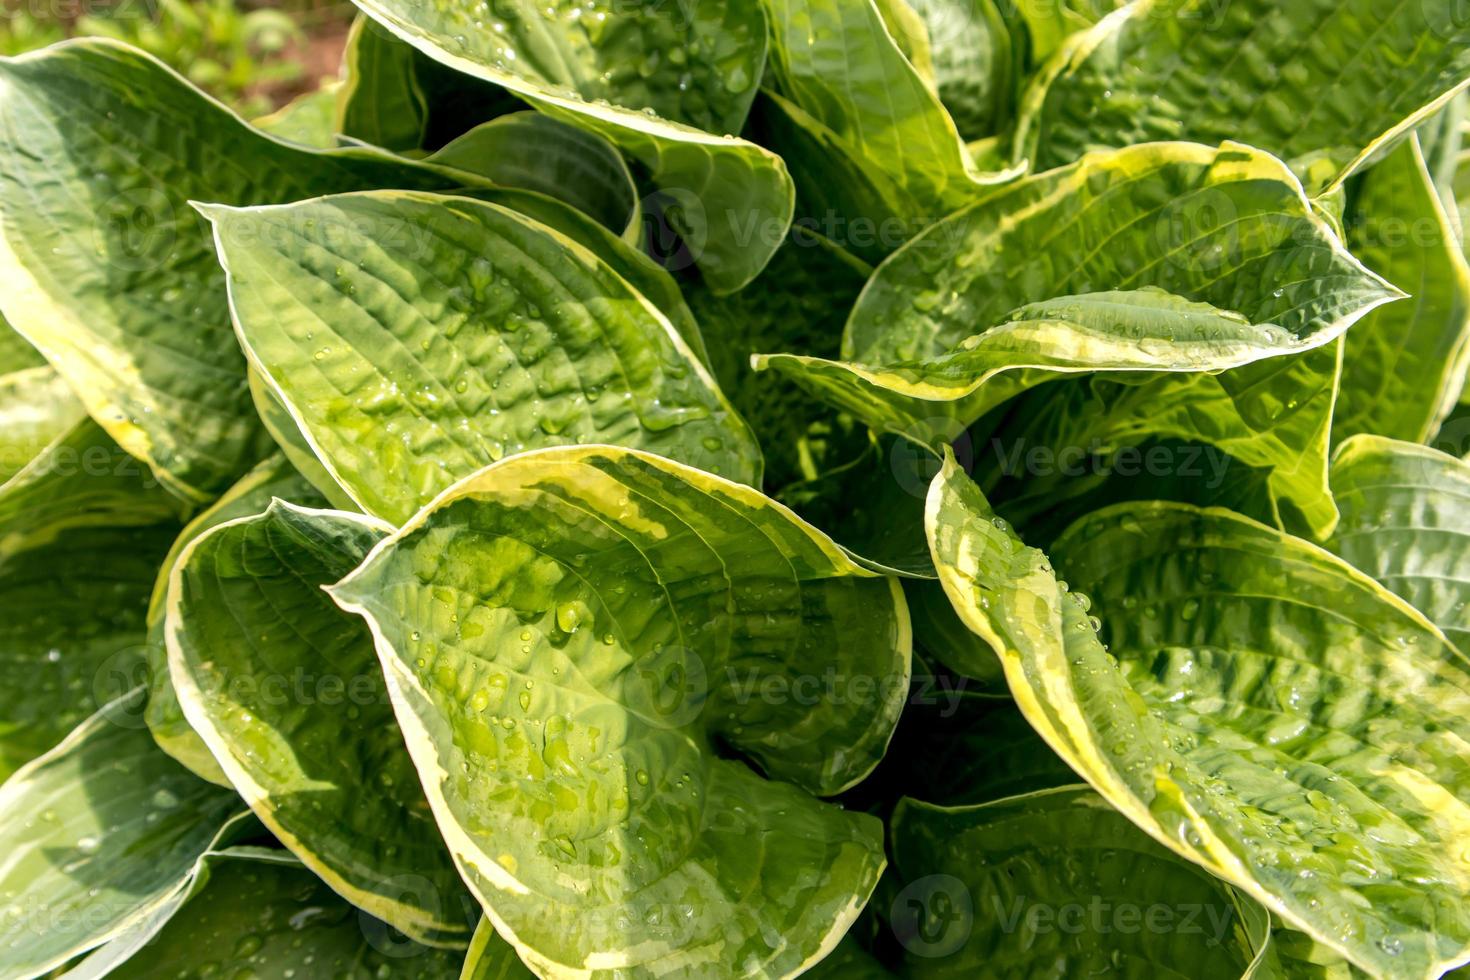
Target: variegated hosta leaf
974,60
111,274
1266,711
271,479
492,958
838,61
1143,329
259,913
1058,883
1322,85
1404,365
1405,521
410,362
695,69
97,834
1226,226
286,691
539,153
568,635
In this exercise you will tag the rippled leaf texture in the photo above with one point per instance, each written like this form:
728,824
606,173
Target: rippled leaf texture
72,634
568,635
97,834
538,153
799,303
972,52
286,690
1404,365
1404,522
272,478
258,913
108,270
1266,711
1322,84
1058,883
414,359
695,66
492,958
839,63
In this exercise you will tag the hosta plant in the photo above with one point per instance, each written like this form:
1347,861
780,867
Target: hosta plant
867,488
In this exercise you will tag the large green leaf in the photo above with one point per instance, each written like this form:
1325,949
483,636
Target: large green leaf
568,635
1058,883
1266,711
1405,522
273,478
703,61
97,834
257,913
1226,226
539,153
286,690
1145,330
410,363
1404,365
111,274
838,61
1323,86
